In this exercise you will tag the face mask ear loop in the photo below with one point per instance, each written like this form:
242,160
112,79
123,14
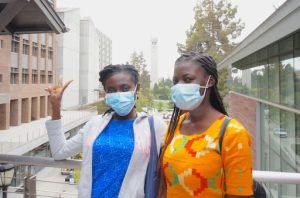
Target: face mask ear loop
206,85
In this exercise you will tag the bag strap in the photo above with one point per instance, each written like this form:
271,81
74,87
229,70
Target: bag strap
222,131
153,147
150,187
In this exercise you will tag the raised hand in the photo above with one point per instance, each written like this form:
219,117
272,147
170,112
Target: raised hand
56,94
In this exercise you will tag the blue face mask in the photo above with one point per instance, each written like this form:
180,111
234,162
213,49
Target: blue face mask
121,102
187,96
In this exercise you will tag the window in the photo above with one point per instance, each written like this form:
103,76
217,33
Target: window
15,43
50,53
14,74
25,46
42,77
34,49
25,79
1,44
43,51
50,77
34,76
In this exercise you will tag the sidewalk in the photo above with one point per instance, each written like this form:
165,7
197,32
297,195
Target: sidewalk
21,139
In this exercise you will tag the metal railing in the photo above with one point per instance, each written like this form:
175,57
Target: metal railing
263,176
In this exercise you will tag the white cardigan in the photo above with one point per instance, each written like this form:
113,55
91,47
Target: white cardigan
133,183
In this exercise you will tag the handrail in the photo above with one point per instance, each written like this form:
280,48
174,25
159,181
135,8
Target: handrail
39,161
279,106
263,176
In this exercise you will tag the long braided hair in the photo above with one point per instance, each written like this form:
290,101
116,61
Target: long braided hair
110,70
210,66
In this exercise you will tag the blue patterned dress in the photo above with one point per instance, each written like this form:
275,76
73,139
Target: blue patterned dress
112,151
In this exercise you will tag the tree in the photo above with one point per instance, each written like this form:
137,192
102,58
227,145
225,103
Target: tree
215,29
222,84
145,95
138,60
162,89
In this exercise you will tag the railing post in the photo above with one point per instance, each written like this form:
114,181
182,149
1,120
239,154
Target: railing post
30,185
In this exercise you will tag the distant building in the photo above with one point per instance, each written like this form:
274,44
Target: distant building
265,96
68,56
154,62
95,53
82,53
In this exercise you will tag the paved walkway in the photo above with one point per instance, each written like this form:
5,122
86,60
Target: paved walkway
50,183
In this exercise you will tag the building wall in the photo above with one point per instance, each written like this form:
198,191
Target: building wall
22,95
68,54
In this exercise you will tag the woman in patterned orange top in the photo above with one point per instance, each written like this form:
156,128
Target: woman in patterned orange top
191,162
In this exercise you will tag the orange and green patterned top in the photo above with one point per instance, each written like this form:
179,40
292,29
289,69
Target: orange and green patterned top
193,166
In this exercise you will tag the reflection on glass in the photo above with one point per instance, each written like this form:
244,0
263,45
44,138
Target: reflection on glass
274,120
297,77
274,79
280,147
287,80
287,150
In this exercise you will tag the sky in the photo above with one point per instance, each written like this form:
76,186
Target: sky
132,23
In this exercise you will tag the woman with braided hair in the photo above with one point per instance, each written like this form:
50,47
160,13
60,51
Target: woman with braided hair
115,145
191,161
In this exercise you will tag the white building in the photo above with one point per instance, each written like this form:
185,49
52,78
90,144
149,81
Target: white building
82,53
154,62
68,54
105,52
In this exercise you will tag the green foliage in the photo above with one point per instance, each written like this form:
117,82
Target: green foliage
162,105
102,107
222,84
76,175
138,60
143,101
76,170
162,89
214,30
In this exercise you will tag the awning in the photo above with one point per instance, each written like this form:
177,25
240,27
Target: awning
29,16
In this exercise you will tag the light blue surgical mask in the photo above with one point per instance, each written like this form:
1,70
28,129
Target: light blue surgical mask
121,102
187,96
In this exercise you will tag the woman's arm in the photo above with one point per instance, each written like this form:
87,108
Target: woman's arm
60,147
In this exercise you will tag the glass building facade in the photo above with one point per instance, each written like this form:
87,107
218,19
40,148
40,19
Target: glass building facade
272,75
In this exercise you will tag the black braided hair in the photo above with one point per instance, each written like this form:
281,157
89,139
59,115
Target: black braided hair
110,70
210,66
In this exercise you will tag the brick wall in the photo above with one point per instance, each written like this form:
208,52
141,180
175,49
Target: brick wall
244,110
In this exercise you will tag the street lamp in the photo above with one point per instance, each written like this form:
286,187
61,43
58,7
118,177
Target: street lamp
6,176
